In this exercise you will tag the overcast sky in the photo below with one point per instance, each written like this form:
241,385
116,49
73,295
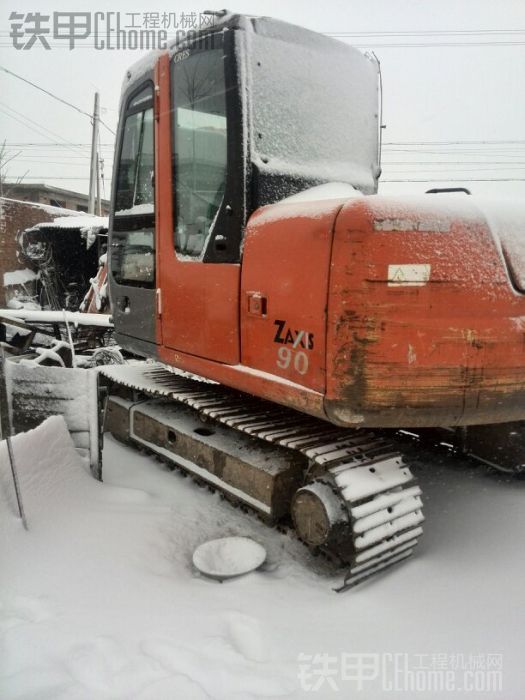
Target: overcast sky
453,77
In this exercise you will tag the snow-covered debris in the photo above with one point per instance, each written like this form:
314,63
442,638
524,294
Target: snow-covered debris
37,392
18,302
83,222
96,298
50,355
19,277
21,289
76,318
63,252
88,225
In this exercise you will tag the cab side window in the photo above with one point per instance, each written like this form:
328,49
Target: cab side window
136,164
133,240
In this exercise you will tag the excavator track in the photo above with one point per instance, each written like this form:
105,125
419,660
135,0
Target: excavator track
358,501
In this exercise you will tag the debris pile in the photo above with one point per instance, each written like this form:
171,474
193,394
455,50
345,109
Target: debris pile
64,256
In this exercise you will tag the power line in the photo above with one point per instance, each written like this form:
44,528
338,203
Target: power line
390,32
39,143
381,43
40,133
386,143
464,179
27,126
55,97
51,177
31,121
485,37
434,45
427,32
369,45
43,156
449,143
460,172
56,162
461,152
412,179
481,165
515,165
445,162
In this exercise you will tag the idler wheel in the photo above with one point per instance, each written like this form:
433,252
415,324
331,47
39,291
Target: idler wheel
318,514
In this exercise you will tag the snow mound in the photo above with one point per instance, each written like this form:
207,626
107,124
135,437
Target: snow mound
49,470
228,556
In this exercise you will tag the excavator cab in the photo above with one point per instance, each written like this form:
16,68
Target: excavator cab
237,116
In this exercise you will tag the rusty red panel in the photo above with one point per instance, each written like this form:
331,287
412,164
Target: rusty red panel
424,327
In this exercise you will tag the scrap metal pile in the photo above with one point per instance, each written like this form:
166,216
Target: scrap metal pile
65,254
68,312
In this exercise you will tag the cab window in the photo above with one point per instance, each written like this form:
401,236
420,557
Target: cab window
133,240
136,165
199,146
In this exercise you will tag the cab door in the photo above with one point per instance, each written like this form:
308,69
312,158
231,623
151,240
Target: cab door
200,209
132,227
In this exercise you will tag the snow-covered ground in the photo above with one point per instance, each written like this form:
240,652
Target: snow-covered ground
99,598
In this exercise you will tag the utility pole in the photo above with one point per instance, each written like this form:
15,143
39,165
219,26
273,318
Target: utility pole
99,207
93,170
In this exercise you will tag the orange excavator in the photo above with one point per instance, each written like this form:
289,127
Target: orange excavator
292,313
